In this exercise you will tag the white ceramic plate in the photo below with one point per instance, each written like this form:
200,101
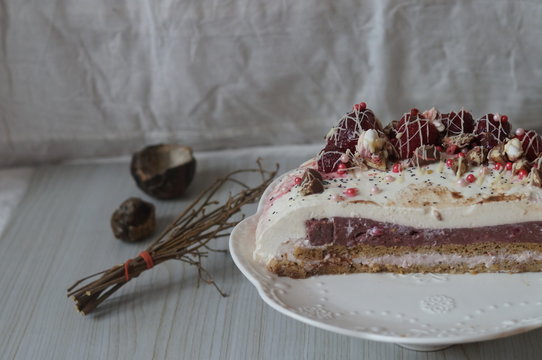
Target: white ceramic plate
424,312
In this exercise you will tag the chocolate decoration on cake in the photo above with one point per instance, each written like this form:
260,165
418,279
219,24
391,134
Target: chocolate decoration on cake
476,156
312,182
497,154
425,155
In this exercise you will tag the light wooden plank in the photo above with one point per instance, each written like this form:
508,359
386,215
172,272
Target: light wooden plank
60,232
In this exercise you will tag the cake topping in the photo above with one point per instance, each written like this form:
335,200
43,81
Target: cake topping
534,177
425,155
492,130
522,173
341,169
351,192
458,123
345,135
497,154
418,139
312,183
508,166
457,143
476,156
412,133
532,144
329,159
374,149
459,166
513,149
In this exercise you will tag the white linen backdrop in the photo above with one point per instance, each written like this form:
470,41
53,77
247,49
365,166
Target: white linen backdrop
82,78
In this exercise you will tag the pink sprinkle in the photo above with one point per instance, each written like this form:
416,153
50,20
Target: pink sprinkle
496,117
297,180
389,178
336,197
351,192
360,106
462,182
345,158
520,131
376,190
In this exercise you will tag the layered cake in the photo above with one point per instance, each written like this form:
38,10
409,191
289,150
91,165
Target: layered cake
430,192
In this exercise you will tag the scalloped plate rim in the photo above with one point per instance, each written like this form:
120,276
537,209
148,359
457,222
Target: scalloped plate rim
239,261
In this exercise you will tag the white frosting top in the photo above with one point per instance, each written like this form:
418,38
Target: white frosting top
429,197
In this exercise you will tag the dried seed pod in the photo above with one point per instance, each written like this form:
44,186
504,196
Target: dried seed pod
312,182
476,156
163,171
134,220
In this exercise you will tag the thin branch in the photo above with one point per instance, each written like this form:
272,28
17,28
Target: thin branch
186,239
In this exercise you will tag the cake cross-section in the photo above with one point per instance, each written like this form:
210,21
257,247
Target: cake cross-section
430,192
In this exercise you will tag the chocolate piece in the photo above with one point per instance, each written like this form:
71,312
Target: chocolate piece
476,156
361,231
521,164
460,166
534,177
425,155
312,182
458,141
497,154
391,129
134,220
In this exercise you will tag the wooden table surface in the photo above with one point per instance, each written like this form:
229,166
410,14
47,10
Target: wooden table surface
60,232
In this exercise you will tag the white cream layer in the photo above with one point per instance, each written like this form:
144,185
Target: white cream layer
425,198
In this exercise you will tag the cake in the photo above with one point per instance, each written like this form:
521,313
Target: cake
430,192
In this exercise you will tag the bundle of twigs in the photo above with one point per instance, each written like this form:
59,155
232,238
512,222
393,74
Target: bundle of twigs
185,239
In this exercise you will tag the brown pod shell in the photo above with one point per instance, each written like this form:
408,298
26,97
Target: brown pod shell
134,220
163,171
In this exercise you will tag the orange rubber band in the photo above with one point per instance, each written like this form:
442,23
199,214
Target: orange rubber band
126,272
148,259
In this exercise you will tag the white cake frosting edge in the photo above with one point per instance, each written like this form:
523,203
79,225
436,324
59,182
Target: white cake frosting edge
284,211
